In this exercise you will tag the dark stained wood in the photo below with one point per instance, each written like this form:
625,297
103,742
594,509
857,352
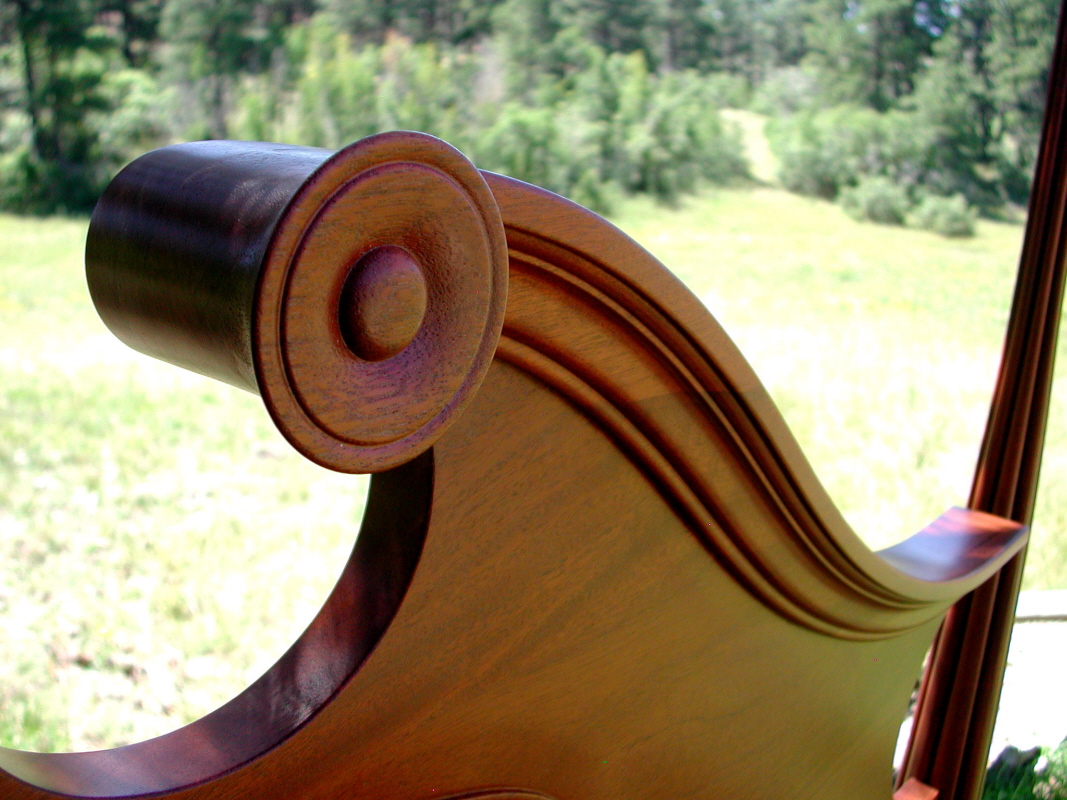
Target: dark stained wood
175,247
960,693
629,581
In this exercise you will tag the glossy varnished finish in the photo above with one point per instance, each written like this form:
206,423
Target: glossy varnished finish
630,584
958,702
633,349
914,789
408,214
303,275
176,244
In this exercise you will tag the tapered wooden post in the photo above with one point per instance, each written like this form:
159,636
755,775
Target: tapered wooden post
958,701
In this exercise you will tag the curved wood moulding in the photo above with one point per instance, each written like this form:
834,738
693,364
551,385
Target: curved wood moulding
595,317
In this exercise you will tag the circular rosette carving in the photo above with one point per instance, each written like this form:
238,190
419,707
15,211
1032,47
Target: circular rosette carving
380,302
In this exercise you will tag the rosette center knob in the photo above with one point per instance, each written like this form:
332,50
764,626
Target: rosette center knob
382,304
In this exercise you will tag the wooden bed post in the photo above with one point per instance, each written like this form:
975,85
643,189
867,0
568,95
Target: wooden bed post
957,707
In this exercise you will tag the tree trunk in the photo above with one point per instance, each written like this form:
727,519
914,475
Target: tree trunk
29,80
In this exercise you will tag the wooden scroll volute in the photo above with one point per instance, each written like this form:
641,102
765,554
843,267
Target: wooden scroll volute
630,584
360,293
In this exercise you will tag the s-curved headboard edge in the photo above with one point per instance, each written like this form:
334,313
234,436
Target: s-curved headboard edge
646,316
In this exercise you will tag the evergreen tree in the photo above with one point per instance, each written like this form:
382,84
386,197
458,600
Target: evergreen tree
870,51
1019,55
616,26
446,21
735,44
686,32
136,25
61,62
209,43
956,108
781,27
527,32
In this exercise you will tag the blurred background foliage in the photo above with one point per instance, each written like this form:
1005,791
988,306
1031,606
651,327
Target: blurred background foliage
594,99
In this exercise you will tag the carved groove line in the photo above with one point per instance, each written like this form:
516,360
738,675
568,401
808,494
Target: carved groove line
650,460
775,495
696,370
640,439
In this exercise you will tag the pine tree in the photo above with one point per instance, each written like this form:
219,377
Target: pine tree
61,67
209,43
616,26
137,27
871,51
1019,54
955,102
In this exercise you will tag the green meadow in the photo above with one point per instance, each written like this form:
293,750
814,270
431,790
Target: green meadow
161,545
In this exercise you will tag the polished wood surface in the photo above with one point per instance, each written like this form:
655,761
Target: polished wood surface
960,694
595,565
305,275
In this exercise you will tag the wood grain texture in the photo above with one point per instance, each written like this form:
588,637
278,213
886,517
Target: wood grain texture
176,244
629,582
594,316
363,412
232,259
599,652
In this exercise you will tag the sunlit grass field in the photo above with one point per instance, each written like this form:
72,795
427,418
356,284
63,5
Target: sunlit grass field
160,545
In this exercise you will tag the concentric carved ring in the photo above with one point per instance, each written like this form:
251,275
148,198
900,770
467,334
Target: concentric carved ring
383,303
380,302
361,293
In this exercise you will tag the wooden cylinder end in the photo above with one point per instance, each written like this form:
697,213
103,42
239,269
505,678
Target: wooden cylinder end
380,302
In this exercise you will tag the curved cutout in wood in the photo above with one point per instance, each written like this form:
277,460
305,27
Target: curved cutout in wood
291,692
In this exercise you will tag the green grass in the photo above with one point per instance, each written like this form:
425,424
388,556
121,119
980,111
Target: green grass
763,164
160,545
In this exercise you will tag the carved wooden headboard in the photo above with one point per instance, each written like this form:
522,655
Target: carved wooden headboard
594,564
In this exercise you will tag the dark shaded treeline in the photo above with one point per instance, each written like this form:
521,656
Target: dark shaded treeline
591,98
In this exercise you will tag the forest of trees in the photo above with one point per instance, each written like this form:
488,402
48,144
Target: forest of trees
889,106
